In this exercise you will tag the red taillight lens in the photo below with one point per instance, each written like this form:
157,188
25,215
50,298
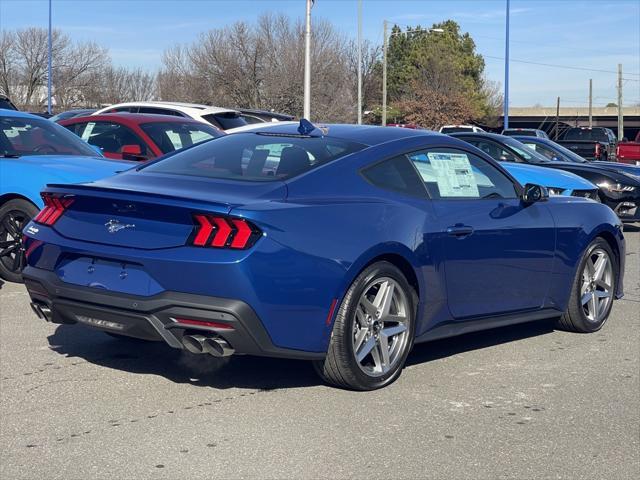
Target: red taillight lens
597,149
54,207
223,232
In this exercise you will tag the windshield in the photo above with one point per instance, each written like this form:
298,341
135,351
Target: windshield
36,136
171,136
568,154
586,134
255,157
530,155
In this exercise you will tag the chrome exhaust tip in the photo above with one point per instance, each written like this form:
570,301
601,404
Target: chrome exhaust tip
46,312
36,309
193,343
218,347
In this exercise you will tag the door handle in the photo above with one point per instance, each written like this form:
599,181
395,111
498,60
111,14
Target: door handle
459,231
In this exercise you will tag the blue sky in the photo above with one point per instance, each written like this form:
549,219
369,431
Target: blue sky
588,34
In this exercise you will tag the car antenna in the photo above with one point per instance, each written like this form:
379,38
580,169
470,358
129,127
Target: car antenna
305,127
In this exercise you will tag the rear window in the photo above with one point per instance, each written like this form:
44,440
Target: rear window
6,104
171,136
225,120
523,133
255,157
448,130
586,134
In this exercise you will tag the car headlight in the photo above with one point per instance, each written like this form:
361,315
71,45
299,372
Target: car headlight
555,190
616,187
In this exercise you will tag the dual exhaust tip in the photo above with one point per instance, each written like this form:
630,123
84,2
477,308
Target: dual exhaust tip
215,346
42,310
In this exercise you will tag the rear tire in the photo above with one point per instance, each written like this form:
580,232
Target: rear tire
14,216
373,331
593,290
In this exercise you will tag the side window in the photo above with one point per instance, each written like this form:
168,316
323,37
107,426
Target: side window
492,149
449,174
111,137
159,111
546,151
395,174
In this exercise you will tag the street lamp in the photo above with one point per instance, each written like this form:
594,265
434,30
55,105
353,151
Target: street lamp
506,71
49,47
307,62
385,48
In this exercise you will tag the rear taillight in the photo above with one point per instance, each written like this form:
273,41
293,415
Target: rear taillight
54,207
597,149
217,231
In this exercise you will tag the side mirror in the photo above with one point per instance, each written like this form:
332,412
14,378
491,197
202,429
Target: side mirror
132,152
534,193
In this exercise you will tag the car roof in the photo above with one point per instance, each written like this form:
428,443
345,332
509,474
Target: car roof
365,134
193,108
495,136
130,118
15,113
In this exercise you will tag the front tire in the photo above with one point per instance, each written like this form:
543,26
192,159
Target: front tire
373,331
14,215
592,291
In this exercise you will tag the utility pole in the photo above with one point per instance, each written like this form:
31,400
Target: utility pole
620,115
307,63
385,47
49,64
590,103
557,119
359,62
506,71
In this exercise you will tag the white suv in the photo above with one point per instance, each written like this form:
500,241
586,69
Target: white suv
222,118
447,129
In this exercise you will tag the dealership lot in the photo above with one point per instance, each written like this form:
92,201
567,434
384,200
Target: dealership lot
525,402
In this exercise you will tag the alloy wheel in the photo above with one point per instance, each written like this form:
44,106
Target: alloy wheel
596,290
11,251
380,327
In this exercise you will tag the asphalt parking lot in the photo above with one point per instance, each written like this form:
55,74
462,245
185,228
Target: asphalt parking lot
520,402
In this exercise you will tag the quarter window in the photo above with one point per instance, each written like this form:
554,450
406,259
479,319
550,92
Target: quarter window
396,174
456,174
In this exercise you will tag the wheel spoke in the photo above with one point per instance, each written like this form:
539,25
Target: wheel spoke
380,295
10,226
7,251
599,267
17,262
591,269
362,321
604,285
360,336
388,298
7,243
593,307
377,361
383,345
366,349
368,306
394,318
393,331
602,294
586,298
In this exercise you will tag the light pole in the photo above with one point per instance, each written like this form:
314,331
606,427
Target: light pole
359,62
307,62
49,65
385,48
506,71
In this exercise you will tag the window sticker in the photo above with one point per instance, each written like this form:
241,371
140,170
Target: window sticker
86,135
453,174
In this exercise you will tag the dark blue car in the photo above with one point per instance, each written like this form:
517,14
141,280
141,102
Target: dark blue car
343,245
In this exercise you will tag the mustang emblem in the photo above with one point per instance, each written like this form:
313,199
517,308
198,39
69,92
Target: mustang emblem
114,225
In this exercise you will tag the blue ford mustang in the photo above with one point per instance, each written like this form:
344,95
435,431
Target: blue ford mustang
34,152
344,245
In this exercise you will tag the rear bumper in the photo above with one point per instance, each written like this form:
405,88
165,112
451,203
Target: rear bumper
155,317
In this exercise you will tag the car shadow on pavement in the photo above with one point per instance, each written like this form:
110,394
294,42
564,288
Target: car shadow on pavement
179,366
156,358
447,347
631,227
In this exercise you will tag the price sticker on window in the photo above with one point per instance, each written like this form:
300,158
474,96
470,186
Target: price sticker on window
454,175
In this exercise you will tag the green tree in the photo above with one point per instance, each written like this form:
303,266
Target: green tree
437,62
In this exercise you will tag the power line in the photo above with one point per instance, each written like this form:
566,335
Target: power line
568,67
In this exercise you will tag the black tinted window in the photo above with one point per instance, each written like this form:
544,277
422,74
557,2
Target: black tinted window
396,174
173,135
586,134
451,173
255,157
110,137
226,120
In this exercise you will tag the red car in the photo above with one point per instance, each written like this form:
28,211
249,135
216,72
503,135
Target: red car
130,136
